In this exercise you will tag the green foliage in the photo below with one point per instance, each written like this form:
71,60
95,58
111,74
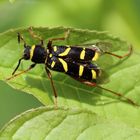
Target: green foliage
108,114
66,123
12,1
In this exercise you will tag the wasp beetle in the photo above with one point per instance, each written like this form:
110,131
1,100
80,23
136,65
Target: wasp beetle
75,61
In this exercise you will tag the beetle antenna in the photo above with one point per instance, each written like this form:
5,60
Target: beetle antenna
20,37
17,66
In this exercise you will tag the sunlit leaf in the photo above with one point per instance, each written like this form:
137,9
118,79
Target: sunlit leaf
63,123
36,82
111,114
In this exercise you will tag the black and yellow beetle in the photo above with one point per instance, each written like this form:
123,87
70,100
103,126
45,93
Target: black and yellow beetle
75,61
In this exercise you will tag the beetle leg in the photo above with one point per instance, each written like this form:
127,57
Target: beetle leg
52,84
54,39
92,84
15,75
33,35
121,56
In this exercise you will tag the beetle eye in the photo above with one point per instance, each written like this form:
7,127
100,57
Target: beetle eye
26,56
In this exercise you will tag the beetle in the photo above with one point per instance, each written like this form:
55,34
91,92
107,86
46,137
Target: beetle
75,61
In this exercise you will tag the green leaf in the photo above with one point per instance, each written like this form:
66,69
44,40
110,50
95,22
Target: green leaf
112,118
66,123
36,82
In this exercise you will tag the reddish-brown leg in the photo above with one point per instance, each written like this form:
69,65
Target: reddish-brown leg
92,84
15,75
33,35
49,45
52,84
121,56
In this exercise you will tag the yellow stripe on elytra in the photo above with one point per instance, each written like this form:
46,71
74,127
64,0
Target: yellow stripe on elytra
81,69
93,74
52,65
65,52
55,48
50,55
64,64
82,54
96,56
32,51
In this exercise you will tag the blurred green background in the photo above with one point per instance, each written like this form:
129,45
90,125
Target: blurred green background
120,18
